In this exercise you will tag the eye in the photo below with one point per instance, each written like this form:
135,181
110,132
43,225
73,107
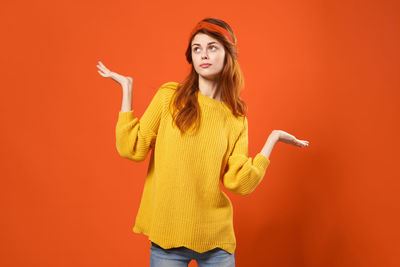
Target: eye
211,46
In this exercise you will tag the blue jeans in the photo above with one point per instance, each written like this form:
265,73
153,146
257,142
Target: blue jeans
181,256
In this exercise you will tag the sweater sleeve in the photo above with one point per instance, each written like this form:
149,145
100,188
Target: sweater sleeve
243,173
134,137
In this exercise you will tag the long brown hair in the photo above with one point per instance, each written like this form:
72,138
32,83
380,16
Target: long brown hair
186,109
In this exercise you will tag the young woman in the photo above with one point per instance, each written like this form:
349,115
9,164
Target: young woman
198,133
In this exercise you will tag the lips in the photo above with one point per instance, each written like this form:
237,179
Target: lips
205,65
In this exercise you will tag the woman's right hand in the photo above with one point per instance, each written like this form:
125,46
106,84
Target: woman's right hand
290,139
125,82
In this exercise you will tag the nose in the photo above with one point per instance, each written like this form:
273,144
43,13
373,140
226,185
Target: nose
204,55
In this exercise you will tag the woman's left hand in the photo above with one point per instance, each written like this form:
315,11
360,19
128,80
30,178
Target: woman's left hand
290,139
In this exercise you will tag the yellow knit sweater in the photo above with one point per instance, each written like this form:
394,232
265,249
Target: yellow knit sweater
182,202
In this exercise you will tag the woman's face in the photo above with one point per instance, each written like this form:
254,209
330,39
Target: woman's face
206,49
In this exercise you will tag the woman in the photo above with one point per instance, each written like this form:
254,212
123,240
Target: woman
198,133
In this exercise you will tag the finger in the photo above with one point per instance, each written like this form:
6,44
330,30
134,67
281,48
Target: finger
105,70
103,74
302,143
103,67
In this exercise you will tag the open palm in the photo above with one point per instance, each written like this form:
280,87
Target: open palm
124,81
290,139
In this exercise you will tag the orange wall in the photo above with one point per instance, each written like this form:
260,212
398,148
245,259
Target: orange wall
324,71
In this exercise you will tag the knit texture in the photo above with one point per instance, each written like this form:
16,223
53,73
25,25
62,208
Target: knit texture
182,202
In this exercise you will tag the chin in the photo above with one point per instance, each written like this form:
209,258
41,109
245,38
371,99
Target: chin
207,74
210,77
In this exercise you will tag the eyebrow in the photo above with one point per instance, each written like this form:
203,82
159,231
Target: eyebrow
208,43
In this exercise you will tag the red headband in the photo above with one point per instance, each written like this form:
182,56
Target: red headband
211,27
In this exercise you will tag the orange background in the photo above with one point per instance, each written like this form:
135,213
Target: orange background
325,71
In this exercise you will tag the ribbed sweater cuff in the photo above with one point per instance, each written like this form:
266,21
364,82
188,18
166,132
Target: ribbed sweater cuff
261,161
126,115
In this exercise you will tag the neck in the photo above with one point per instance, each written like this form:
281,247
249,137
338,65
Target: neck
209,88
